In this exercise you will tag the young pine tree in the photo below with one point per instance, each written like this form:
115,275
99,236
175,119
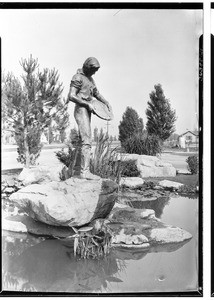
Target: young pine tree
30,106
131,124
160,116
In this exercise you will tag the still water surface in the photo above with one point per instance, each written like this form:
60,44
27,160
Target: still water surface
46,265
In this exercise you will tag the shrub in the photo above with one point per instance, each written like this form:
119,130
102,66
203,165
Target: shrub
69,158
143,144
103,160
131,123
192,162
186,189
129,168
65,157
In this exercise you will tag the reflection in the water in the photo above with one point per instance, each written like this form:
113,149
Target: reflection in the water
50,266
157,205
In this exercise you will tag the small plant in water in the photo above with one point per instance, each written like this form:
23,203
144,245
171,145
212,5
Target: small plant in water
87,244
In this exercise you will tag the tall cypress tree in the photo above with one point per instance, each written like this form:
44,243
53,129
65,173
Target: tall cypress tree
131,124
160,116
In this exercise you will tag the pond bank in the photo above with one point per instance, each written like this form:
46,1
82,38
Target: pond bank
154,188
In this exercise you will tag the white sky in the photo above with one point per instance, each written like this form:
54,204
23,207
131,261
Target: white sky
136,49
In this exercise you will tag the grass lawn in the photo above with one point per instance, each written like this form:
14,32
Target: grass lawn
186,179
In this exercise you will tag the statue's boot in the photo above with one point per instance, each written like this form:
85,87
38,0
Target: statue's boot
85,164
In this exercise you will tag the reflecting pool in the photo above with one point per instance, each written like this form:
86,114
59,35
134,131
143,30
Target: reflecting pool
48,265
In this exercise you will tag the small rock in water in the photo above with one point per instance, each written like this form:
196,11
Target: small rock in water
9,190
10,182
147,213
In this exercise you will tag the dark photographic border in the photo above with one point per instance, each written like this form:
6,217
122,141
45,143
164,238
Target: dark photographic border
134,5
212,166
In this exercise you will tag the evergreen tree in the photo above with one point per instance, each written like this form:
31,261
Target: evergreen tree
74,137
62,118
131,123
30,106
160,116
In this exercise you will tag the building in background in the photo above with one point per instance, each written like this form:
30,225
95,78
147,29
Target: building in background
189,139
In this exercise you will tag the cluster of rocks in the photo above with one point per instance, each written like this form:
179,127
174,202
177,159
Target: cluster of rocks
134,183
10,185
139,228
53,207
135,188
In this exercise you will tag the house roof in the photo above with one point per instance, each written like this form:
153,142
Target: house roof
194,132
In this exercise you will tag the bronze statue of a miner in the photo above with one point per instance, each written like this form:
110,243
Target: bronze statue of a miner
82,90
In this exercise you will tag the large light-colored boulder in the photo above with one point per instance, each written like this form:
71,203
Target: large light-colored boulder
164,171
40,174
73,202
150,166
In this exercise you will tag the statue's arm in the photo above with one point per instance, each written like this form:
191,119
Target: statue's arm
99,97
73,96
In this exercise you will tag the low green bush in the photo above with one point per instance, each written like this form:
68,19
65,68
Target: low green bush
193,164
143,144
129,168
186,189
68,157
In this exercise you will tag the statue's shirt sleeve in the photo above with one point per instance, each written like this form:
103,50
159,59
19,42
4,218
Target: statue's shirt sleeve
76,81
85,85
